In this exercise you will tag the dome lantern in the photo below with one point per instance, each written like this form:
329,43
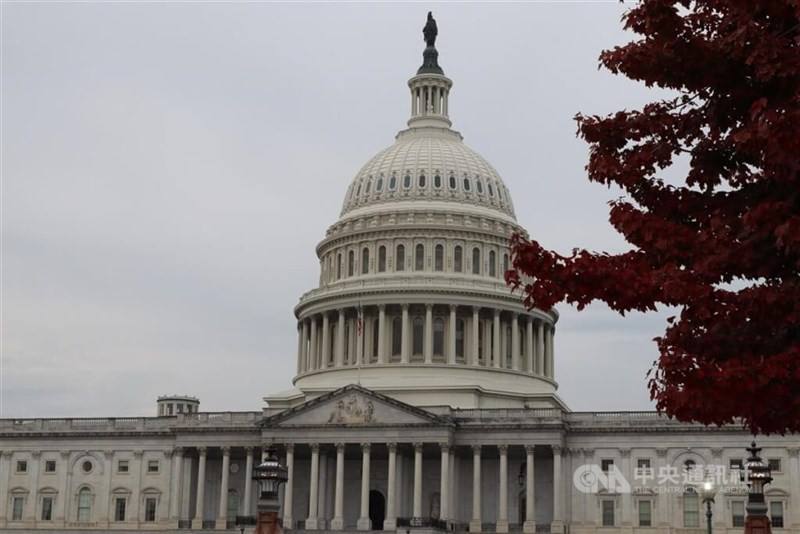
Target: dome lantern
430,88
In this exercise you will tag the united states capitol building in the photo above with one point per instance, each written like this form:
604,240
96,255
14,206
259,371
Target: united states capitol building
425,395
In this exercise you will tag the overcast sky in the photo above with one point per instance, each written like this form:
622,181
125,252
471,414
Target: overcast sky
168,170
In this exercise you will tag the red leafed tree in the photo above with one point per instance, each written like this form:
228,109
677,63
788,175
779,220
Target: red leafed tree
723,245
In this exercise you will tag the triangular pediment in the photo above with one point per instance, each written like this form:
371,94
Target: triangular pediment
354,406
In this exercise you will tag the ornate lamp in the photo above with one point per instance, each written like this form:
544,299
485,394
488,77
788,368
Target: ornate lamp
758,475
707,493
269,475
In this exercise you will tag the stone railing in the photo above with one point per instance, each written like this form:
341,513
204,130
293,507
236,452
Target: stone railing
507,415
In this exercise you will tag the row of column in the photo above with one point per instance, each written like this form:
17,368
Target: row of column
336,339
429,99
222,514
446,484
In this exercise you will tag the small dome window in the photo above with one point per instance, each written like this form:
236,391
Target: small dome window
500,192
467,185
452,182
437,181
379,185
490,188
366,189
422,180
358,190
406,181
479,185
393,183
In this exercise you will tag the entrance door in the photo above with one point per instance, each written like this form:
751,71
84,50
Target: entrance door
377,509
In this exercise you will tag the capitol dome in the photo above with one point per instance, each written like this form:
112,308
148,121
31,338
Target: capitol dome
411,300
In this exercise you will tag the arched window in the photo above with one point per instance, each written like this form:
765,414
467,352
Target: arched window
460,326
379,185
417,335
438,336
505,263
393,183
691,509
452,182
437,181
338,266
438,258
466,184
233,503
351,261
358,190
400,258
382,259
479,185
421,181
406,181
397,336
85,505
476,260
366,189
492,266
458,260
491,189
365,261
419,258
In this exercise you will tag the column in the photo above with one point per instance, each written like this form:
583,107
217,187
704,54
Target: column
529,526
104,513
326,341
175,496
515,341
475,523
222,515
311,361
338,493
428,333
476,338
417,481
487,343
352,354
390,522
662,497
496,339
322,499
197,522
61,504
5,473
627,503
444,483
299,348
548,351
339,356
304,349
557,527
29,514
502,512
381,333
248,484
451,336
312,523
364,522
404,348
794,487
540,347
529,344
552,352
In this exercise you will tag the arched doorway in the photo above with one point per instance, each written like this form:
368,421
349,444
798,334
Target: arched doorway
377,509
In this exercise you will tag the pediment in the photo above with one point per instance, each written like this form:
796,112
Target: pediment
353,406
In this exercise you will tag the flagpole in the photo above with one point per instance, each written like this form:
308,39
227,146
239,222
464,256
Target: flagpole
360,349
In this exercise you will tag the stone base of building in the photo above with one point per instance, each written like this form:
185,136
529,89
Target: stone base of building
529,527
312,524
337,523
557,527
501,527
475,526
364,523
390,524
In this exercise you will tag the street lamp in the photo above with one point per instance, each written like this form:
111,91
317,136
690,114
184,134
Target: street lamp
758,475
269,475
708,493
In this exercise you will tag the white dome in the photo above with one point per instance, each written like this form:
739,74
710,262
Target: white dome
428,163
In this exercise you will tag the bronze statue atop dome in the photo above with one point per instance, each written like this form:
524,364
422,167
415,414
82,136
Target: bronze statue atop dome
430,31
430,57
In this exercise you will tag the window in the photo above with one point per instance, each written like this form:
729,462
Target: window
492,265
491,190
476,260
774,465
421,180
438,336
22,466
84,505
119,509
400,258
479,185
606,464
466,184
397,335
438,258
460,326
417,334
351,260
150,504
393,183
406,181
47,508
233,503
608,513
122,466
643,463
379,185
737,513
366,189
452,182
180,408
645,514
736,463
688,465
365,261
17,504
86,466
776,513
152,466
419,258
437,181
358,190
50,466
691,509
338,266
381,259
458,260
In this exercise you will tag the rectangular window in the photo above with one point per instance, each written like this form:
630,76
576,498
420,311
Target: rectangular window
735,463
608,513
50,466
775,465
737,513
606,464
691,510
643,463
122,466
119,509
645,513
47,508
152,466
17,504
22,466
776,514
150,509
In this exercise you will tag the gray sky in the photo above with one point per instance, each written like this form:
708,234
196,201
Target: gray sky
169,168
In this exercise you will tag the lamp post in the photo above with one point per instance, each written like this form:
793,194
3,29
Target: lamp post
758,475
708,493
269,475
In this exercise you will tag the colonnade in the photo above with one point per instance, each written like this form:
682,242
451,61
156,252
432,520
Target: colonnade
426,333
